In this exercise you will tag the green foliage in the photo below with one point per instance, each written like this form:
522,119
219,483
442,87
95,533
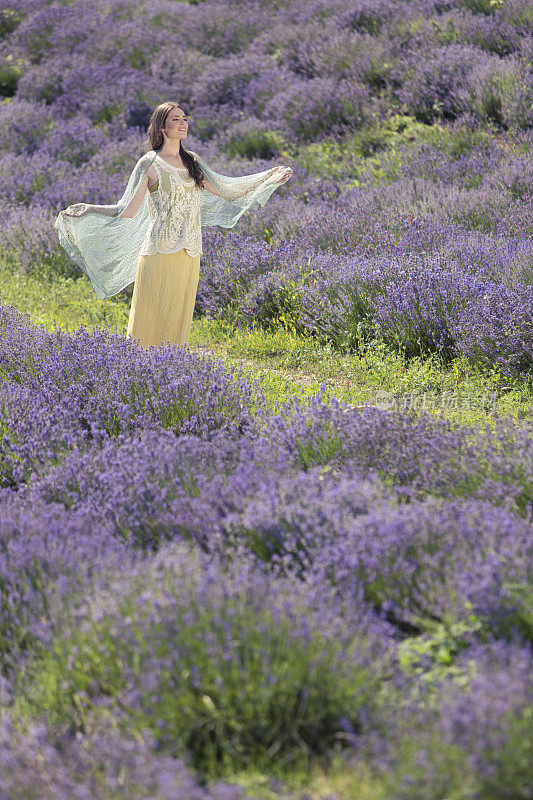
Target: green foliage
16,636
429,660
107,114
354,329
524,17
367,22
139,57
255,144
520,616
318,451
483,6
457,141
489,101
482,215
445,31
9,20
280,307
349,157
207,129
371,156
377,74
507,772
371,140
451,778
10,72
431,656
511,779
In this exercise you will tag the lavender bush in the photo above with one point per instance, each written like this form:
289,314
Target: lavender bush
102,766
414,454
66,390
234,668
472,737
45,552
427,562
497,329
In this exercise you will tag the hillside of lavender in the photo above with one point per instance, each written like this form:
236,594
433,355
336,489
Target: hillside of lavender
407,124
203,599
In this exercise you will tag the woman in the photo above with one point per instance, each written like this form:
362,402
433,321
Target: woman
153,234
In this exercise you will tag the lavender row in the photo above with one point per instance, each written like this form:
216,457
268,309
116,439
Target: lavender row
61,391
316,491
419,304
438,59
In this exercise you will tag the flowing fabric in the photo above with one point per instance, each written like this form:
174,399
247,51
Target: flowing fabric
107,246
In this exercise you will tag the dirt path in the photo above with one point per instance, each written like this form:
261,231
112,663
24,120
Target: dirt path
301,378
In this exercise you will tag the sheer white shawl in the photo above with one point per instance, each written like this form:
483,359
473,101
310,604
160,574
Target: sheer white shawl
107,246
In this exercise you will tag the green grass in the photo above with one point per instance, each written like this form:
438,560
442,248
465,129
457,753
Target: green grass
287,365
340,780
294,366
71,302
370,156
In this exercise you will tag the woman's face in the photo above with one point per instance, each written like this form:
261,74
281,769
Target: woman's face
176,124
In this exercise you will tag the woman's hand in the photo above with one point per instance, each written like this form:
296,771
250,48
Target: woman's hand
77,210
284,174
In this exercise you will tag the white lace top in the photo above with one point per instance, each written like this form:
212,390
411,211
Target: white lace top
174,206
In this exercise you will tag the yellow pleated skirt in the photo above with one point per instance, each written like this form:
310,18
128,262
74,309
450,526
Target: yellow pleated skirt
163,299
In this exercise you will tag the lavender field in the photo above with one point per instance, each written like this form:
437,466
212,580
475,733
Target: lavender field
207,598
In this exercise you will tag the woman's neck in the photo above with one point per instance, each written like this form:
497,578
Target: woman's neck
170,154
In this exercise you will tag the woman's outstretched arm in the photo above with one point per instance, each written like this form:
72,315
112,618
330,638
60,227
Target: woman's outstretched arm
136,203
234,193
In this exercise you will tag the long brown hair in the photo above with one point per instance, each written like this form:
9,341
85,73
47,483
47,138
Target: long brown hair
156,140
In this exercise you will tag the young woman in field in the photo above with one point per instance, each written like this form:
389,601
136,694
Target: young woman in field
153,236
